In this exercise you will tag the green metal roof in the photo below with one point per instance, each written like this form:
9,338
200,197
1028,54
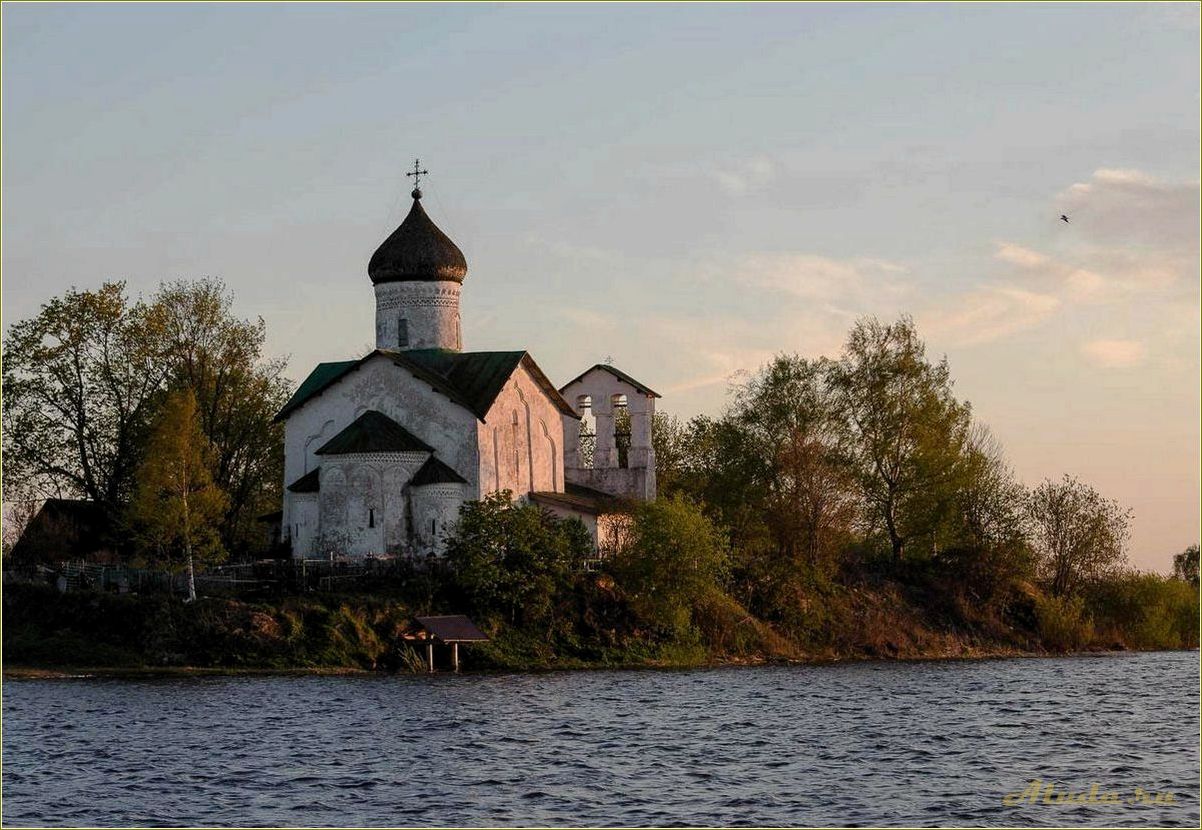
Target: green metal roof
435,472
471,379
476,377
374,432
308,483
316,382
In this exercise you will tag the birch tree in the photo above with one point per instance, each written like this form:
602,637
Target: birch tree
83,380
177,508
219,356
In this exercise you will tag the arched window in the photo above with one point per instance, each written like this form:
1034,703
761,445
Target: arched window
588,431
621,413
402,332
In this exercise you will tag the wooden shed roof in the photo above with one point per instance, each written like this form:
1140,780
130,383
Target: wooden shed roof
453,628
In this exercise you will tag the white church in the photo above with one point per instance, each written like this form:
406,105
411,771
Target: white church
380,452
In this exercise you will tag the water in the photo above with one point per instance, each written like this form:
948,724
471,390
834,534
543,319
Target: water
870,743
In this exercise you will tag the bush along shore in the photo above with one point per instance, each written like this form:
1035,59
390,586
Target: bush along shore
591,622
836,509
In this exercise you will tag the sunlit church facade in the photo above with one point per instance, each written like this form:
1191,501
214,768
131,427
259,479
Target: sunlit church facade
381,452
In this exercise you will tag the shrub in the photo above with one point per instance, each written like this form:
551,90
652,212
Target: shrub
1063,623
673,558
1146,611
514,562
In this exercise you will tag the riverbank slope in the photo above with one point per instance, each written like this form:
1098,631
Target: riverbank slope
45,631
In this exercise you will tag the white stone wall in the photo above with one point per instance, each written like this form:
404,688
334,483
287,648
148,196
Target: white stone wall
305,522
383,386
637,480
430,311
362,503
435,510
521,440
365,505
589,520
609,531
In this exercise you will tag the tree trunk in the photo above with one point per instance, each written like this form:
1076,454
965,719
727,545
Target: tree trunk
895,539
191,577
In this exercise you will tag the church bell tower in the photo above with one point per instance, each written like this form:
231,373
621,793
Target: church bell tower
417,273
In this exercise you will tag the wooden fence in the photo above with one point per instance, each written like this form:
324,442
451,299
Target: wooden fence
264,577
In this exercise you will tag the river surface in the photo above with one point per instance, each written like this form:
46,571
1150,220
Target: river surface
932,743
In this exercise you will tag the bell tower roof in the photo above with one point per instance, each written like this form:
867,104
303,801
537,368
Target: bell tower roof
417,251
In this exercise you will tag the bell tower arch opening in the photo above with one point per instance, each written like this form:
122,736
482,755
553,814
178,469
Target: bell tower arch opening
609,448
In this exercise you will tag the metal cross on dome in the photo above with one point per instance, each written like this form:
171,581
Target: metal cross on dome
417,172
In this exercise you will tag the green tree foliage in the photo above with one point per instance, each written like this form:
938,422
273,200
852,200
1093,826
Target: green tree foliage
1080,536
905,431
1142,610
771,470
85,377
801,482
721,474
176,506
989,548
673,557
81,380
1185,565
514,562
220,358
670,440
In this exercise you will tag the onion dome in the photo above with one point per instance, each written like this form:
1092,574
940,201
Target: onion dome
417,251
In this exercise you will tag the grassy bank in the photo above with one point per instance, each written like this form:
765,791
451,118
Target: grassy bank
45,628
319,633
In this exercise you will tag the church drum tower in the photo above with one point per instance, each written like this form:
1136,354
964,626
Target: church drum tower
417,273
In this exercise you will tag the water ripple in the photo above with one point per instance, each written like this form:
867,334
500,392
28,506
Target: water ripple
884,744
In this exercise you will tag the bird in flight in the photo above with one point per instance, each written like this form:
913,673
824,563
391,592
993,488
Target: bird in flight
1064,219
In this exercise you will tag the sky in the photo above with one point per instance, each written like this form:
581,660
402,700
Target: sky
686,190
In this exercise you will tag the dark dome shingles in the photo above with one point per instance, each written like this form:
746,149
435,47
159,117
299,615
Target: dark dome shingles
417,251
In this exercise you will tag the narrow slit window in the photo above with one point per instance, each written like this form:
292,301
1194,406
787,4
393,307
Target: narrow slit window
433,527
402,332
371,517
516,445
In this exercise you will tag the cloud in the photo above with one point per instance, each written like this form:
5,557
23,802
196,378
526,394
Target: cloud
1133,206
745,176
846,286
1049,275
1114,354
579,255
1132,234
1133,237
1018,255
729,315
1094,274
987,314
